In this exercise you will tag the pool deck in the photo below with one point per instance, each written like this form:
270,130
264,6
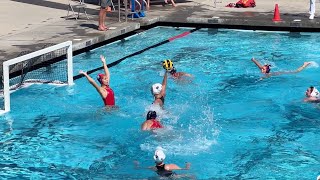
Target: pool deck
30,25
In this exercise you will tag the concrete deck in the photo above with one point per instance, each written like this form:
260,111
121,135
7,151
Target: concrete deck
30,25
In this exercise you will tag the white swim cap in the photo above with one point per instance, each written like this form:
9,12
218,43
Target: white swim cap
315,93
156,88
159,155
318,178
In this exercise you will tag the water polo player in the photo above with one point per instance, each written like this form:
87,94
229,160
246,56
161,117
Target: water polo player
312,95
265,69
151,122
178,75
159,91
166,170
104,90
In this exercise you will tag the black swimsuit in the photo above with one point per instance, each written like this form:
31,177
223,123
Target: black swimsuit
162,172
162,99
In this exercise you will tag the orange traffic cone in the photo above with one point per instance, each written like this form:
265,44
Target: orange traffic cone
276,16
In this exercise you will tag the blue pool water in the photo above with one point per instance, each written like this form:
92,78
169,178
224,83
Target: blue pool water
226,121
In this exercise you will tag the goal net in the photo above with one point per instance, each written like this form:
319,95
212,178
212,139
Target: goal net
51,65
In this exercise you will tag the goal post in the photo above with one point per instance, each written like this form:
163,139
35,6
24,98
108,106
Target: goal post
50,52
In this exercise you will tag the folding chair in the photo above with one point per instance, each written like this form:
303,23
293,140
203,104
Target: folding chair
77,4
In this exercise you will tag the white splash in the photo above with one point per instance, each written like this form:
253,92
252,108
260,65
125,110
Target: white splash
199,136
313,64
161,113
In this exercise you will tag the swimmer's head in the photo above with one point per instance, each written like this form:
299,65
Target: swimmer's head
151,115
266,69
159,155
173,70
156,89
102,78
312,92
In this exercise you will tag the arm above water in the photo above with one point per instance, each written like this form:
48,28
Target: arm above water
137,166
105,67
305,64
164,84
257,63
311,99
94,84
186,74
170,167
91,81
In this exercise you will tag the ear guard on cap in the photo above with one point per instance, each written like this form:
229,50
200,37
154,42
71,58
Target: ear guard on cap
315,93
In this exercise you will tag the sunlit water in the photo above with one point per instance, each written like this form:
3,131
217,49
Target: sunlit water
226,121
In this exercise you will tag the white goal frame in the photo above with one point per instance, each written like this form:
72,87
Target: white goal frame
7,64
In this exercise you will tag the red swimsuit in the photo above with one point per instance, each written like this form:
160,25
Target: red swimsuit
109,100
155,124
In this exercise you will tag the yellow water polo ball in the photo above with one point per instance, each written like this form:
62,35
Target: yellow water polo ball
167,64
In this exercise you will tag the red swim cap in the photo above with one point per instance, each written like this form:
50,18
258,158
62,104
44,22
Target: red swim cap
99,77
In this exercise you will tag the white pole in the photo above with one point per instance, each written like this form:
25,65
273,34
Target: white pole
70,64
6,87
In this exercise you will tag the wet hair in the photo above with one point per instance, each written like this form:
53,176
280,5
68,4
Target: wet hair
268,68
311,88
151,115
173,70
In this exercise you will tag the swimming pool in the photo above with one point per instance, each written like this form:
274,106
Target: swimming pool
225,121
